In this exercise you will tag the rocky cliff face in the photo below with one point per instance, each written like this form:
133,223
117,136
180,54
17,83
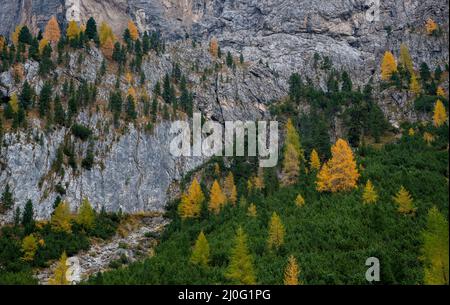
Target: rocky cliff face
133,169
354,34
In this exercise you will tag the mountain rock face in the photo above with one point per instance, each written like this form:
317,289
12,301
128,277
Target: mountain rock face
133,169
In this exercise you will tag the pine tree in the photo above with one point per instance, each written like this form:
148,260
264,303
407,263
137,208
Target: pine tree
214,47
91,29
200,253
59,113
251,211
86,215
229,189
414,85
405,202
314,160
299,201
388,66
45,99
73,30
405,59
26,96
29,247
7,199
439,114
229,59
435,249
217,198
340,173
28,217
369,194
59,275
240,269
134,33
291,272
276,232
52,32
25,36
61,218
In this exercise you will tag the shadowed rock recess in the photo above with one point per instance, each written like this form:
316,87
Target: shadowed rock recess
133,170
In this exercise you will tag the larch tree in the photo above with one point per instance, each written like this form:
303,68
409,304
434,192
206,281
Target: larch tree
73,30
86,215
241,270
105,32
134,33
411,132
404,202
229,189
314,162
14,103
214,47
299,200
291,272
291,166
388,66
431,26
405,59
61,218
191,202
428,138
434,251
60,274
200,253
217,198
251,211
439,114
414,85
42,44
29,247
276,232
108,48
340,173
15,34
440,92
52,32
369,193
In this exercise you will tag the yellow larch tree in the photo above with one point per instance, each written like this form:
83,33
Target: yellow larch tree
60,273
105,32
73,30
428,138
430,26
291,272
134,33
86,215
439,114
405,59
314,161
411,132
404,202
15,34
108,48
29,247
2,42
435,249
340,173
369,193
251,211
414,85
388,66
217,198
276,232
52,32
291,166
241,270
61,218
229,188
200,253
191,202
440,92
299,201
42,44
14,103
